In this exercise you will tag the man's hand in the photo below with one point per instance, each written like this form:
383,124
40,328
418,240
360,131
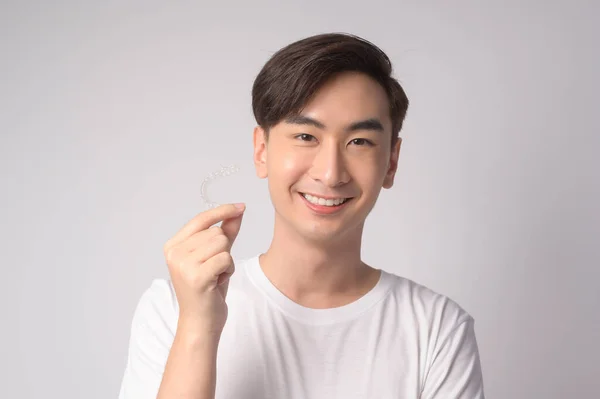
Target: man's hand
200,265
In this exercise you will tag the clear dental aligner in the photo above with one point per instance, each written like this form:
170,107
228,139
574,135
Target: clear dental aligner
224,171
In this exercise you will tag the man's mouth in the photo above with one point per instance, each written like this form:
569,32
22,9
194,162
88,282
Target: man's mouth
330,202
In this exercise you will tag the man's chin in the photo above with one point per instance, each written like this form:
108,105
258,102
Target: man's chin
321,233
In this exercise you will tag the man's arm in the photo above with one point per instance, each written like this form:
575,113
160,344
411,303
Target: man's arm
161,363
455,371
180,362
191,369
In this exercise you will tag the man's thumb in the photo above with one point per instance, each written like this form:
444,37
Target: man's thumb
231,227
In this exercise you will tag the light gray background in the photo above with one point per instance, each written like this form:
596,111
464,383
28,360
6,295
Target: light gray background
112,114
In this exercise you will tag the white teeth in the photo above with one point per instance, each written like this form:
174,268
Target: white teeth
322,201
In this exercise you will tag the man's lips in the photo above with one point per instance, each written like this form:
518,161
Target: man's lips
326,197
325,209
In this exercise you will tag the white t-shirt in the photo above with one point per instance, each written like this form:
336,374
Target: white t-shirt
400,340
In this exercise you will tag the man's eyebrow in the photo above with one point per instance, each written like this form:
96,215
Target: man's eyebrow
367,124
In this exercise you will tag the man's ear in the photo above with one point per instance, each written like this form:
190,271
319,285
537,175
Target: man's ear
388,181
260,152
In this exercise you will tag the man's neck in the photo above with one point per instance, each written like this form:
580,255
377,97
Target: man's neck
321,274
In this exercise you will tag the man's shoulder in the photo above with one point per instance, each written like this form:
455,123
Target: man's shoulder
425,303
157,306
160,292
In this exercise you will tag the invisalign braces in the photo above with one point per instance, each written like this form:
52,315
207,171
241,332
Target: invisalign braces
224,171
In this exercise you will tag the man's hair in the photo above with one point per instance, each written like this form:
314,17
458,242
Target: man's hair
293,75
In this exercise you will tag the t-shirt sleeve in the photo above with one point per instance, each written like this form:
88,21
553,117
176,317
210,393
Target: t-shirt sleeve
150,341
455,371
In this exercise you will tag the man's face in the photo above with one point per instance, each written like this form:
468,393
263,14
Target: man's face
338,147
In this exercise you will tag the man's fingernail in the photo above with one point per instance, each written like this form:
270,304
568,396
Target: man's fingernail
240,205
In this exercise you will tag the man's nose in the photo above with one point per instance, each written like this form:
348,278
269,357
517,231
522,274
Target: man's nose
329,166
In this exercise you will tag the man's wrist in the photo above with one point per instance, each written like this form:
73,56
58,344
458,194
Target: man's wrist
195,338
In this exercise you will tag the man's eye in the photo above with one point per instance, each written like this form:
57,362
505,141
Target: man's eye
304,137
361,142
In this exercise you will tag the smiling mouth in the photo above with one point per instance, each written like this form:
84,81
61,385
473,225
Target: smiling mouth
332,203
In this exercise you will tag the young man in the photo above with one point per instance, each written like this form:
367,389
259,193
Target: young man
307,318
